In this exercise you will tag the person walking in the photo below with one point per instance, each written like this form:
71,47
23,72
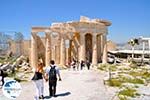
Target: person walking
82,64
2,76
51,73
73,64
77,65
38,80
88,64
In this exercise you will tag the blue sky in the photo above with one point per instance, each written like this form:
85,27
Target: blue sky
130,18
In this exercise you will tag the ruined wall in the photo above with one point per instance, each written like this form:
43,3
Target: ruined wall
24,47
111,46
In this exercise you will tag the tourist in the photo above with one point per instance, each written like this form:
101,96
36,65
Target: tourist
82,64
88,64
2,76
77,64
51,73
38,80
73,64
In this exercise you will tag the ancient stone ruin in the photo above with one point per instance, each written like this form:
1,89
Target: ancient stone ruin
85,39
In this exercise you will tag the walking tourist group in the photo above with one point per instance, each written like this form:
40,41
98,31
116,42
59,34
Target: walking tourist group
51,74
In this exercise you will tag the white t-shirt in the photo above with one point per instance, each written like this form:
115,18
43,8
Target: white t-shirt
49,67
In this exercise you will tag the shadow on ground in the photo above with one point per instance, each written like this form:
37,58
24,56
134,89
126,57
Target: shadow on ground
57,95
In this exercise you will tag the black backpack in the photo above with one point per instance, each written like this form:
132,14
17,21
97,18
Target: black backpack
52,74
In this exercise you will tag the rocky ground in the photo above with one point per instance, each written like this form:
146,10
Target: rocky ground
131,81
81,85
75,85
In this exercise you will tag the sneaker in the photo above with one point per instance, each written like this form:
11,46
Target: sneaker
41,97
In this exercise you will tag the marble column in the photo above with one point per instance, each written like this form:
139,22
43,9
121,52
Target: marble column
99,48
104,60
143,50
48,49
53,52
94,55
58,53
59,47
102,45
82,46
67,46
69,52
67,56
34,53
63,52
149,47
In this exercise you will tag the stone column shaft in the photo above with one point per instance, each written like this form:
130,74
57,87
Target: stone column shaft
69,52
58,54
53,52
67,56
99,57
143,50
63,52
48,50
102,43
149,47
34,54
94,55
82,47
59,51
104,61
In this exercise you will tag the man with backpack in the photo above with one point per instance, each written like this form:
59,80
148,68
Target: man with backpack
52,72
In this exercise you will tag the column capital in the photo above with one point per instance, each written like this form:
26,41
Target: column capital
99,33
33,37
47,35
94,34
34,34
48,31
104,34
82,34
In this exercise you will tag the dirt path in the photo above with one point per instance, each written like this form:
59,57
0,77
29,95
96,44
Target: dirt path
75,85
